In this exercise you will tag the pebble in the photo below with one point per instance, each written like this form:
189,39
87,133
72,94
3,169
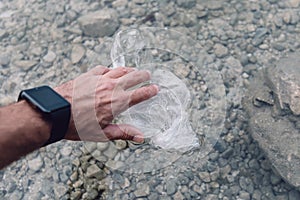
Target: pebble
121,144
111,152
220,50
171,187
49,57
142,190
78,52
204,176
25,65
186,3
94,171
100,23
260,36
4,60
246,184
35,164
59,190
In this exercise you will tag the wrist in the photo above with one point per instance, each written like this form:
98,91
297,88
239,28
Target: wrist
35,126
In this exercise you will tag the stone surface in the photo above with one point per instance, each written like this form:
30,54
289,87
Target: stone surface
49,57
25,64
35,164
99,24
94,171
78,52
273,110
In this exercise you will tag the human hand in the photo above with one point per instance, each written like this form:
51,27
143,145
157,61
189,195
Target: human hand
98,96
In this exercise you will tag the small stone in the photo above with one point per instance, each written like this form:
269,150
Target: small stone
256,195
102,146
75,195
246,184
227,153
59,190
260,36
121,144
37,51
49,57
94,171
186,3
4,59
275,179
99,24
204,176
171,187
244,195
293,3
111,152
278,46
220,50
66,150
77,54
3,34
142,190
35,164
25,65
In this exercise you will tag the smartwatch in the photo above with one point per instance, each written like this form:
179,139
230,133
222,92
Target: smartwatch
53,107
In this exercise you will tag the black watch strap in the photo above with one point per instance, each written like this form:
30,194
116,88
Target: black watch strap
60,123
53,106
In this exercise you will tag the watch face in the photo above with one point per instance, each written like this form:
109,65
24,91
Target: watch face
45,98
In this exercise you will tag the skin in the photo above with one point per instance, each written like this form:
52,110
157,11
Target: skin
23,128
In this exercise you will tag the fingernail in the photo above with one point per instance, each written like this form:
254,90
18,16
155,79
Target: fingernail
157,88
138,139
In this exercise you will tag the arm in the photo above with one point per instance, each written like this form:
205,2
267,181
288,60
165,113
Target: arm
23,129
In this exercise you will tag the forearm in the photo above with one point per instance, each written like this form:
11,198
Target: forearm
22,130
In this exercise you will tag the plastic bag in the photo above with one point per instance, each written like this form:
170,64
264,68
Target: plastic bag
163,118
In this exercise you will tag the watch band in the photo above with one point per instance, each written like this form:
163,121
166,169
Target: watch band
60,124
53,107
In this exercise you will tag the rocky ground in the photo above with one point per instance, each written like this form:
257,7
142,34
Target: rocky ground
49,42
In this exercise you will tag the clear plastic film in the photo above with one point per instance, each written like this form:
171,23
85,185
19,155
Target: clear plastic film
164,118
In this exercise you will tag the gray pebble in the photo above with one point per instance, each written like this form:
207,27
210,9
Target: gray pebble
94,171
142,190
205,177
220,50
246,184
25,65
186,3
78,52
260,36
35,164
60,190
49,57
171,187
99,24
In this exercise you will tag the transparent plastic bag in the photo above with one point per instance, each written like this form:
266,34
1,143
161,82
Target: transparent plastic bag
163,119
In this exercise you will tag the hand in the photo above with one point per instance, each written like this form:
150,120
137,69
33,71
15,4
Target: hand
98,96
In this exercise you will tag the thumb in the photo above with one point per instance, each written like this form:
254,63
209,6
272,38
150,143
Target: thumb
123,132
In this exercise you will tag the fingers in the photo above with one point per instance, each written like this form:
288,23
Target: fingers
134,78
99,70
119,72
123,132
142,94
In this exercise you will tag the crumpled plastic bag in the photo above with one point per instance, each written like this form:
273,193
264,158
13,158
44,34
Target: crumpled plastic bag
163,119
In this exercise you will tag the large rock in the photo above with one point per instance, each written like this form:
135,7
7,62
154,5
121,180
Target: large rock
99,24
274,122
